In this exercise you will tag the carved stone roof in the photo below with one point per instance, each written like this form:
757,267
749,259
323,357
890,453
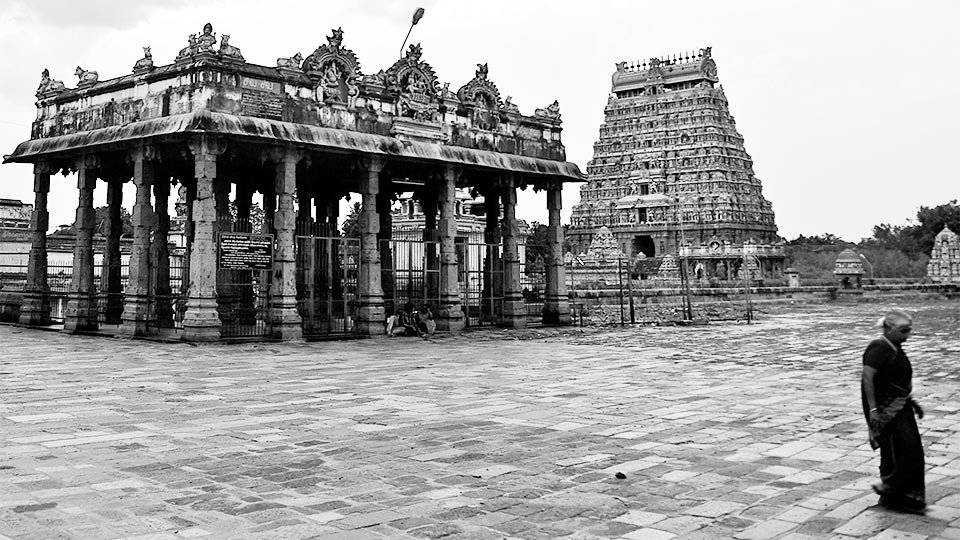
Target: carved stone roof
300,134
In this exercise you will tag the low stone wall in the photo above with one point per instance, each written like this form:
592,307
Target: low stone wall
665,305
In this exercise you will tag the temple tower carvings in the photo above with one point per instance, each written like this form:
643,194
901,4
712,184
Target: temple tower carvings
670,168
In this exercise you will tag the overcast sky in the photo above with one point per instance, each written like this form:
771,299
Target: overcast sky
848,108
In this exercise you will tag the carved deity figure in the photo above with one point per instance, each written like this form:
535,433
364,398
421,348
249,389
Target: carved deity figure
48,85
290,63
330,83
87,78
207,40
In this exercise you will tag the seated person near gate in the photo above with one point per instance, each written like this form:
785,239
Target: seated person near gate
408,320
425,323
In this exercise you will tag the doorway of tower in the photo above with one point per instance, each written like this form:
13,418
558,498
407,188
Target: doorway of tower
644,244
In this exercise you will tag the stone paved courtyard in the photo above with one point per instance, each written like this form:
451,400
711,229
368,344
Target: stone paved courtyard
724,431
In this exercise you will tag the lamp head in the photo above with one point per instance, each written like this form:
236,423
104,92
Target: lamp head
417,15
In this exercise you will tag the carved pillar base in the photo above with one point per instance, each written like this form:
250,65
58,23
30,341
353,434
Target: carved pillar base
450,320
201,322
514,314
35,308
81,315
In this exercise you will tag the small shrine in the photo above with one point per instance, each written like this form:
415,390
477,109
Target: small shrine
849,270
944,265
601,264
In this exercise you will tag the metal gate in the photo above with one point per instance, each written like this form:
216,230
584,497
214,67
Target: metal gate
328,269
410,273
481,283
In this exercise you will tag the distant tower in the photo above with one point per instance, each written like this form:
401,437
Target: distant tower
670,169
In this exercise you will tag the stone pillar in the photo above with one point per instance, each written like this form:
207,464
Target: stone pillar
35,308
201,321
160,255
81,299
450,314
492,292
556,307
110,274
514,310
370,319
136,301
285,321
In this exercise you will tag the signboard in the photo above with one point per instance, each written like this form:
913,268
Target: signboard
245,251
249,83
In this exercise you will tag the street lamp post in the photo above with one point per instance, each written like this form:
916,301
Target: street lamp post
417,15
682,254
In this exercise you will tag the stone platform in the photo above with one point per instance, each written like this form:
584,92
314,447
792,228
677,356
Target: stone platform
723,431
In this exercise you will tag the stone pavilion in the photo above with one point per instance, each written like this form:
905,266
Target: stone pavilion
300,135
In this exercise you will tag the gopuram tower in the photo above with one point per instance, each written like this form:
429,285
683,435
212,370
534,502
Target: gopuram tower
670,171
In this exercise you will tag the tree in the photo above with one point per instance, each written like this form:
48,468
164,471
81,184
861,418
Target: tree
536,248
932,221
351,223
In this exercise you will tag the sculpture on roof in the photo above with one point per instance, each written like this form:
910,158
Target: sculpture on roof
416,86
227,50
49,86
188,51
335,70
482,95
290,63
145,63
509,106
550,112
207,39
87,78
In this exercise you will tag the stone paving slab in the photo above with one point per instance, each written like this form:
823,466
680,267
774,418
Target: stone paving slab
723,431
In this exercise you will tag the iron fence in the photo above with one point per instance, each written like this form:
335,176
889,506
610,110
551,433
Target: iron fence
328,269
615,296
